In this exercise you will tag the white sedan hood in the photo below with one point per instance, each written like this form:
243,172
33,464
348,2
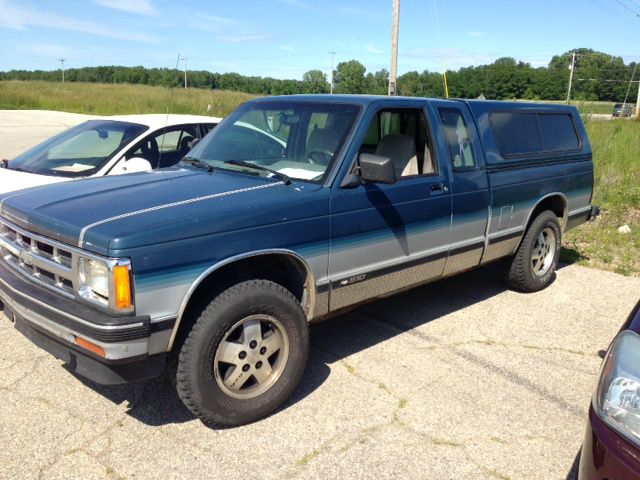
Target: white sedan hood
11,180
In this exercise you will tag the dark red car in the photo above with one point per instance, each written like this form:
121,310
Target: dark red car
611,448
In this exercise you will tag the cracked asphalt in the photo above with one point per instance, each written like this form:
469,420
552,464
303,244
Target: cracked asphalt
460,379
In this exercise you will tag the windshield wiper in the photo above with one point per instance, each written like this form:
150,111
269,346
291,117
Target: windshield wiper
196,162
255,166
5,164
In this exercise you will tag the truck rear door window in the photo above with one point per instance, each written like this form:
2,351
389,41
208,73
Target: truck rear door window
516,133
558,132
457,136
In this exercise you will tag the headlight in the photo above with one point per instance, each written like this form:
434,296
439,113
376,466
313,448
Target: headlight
617,398
106,282
94,275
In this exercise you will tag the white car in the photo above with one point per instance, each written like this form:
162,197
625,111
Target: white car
106,146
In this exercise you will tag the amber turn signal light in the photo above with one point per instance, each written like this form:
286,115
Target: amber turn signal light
92,347
122,286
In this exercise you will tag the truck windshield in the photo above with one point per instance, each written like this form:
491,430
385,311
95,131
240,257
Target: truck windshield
79,151
299,139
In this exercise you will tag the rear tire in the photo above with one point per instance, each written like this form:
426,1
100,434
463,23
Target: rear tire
244,355
532,267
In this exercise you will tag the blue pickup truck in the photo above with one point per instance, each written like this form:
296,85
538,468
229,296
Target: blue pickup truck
292,210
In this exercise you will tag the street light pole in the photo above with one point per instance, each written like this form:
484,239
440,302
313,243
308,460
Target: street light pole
62,67
331,87
393,74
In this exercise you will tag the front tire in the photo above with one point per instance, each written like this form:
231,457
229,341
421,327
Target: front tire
532,267
244,355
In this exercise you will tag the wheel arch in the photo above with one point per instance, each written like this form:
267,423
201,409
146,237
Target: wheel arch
279,265
556,202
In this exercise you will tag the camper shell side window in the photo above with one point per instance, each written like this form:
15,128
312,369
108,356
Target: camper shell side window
534,133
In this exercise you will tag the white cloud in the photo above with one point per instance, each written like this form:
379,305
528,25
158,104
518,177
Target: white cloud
229,30
361,12
453,58
143,7
374,50
287,48
476,34
296,3
246,38
48,50
211,23
19,18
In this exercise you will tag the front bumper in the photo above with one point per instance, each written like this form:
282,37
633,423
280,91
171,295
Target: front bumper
53,322
606,454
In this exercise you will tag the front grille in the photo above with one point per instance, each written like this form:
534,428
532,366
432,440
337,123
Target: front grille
45,261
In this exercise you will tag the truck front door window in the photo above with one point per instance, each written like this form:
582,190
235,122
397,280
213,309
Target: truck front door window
403,136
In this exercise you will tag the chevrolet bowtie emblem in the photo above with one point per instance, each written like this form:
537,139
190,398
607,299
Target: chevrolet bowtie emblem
26,257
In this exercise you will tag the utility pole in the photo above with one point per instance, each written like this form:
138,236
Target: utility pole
638,102
62,60
573,67
393,74
332,53
185,72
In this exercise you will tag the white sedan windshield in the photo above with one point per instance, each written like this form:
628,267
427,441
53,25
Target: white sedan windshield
79,151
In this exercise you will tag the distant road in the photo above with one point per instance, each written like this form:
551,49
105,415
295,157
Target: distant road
599,116
23,129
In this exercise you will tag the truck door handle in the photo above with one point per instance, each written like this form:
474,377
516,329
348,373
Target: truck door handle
438,188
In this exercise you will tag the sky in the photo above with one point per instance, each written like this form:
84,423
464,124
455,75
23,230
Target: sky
285,38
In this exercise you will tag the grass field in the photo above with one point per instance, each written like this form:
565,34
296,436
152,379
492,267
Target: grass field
587,107
116,99
594,107
616,147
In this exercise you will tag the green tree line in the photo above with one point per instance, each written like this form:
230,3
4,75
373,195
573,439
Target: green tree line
597,76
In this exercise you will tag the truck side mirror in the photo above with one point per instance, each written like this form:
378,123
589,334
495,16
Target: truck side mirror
376,169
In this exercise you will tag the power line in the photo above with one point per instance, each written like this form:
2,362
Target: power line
615,13
606,80
627,8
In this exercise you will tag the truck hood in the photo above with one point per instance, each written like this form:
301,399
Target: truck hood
11,180
117,213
